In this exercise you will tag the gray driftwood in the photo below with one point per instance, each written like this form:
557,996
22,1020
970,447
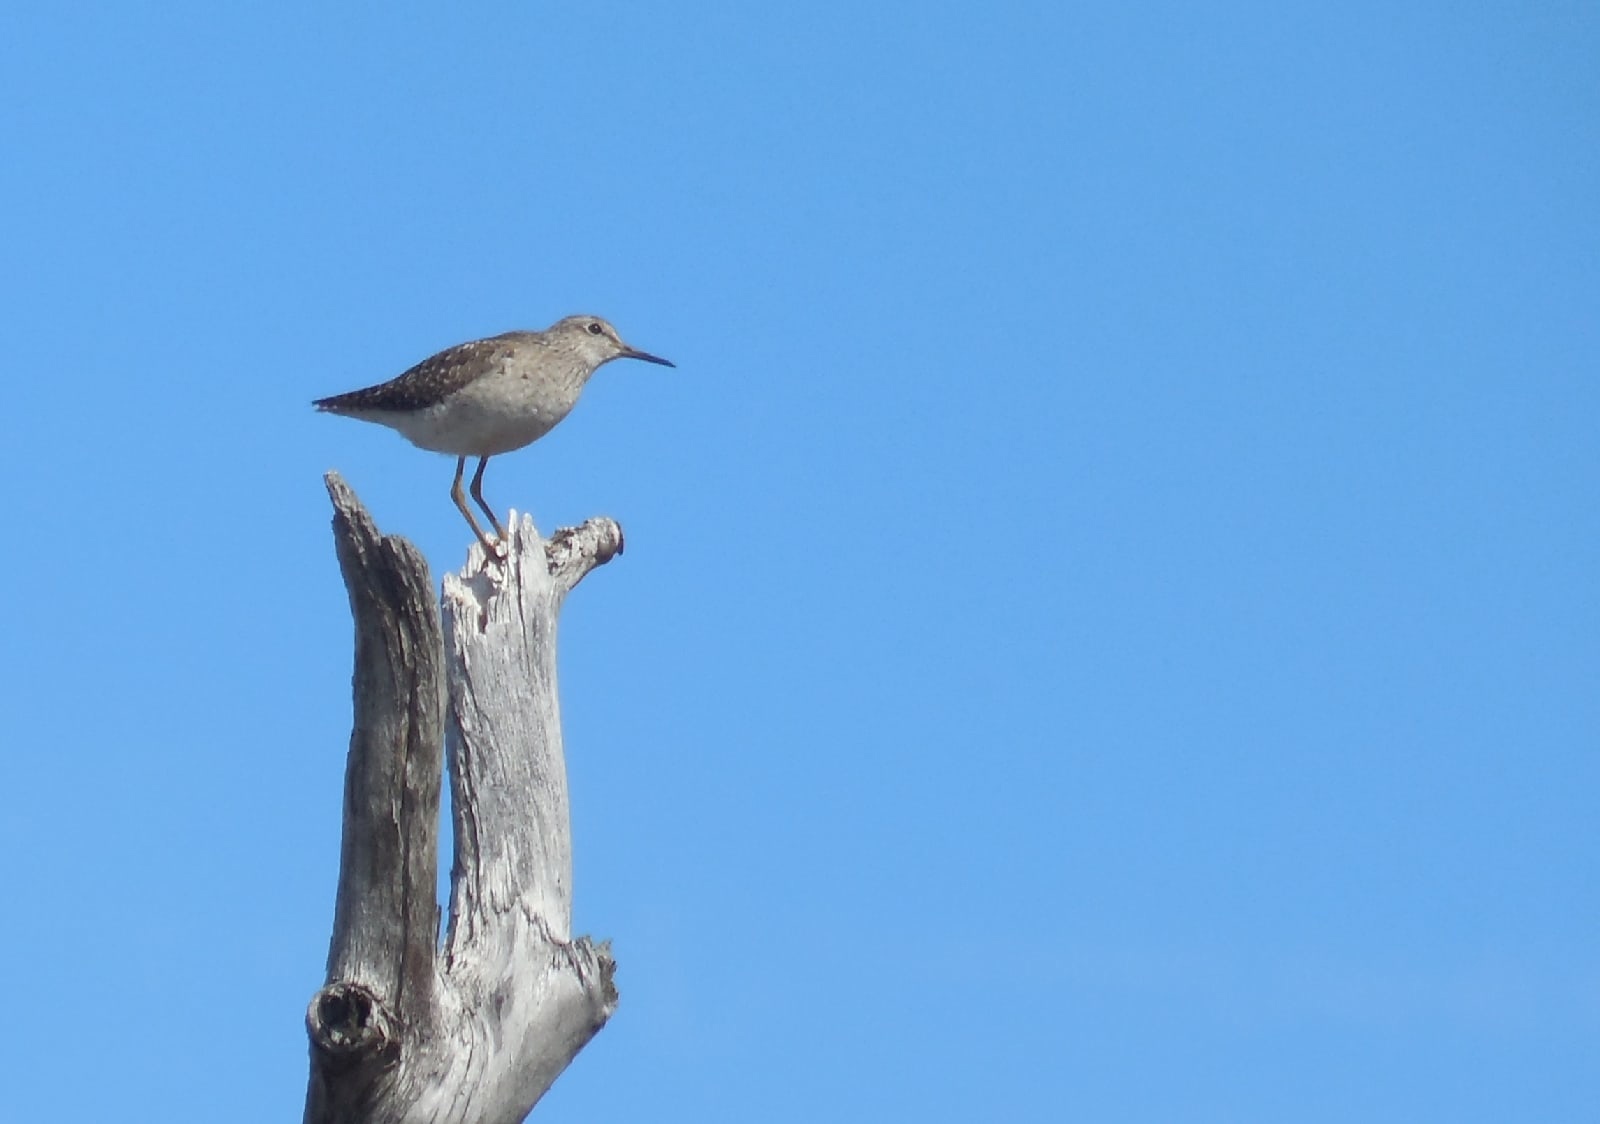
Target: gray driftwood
474,1030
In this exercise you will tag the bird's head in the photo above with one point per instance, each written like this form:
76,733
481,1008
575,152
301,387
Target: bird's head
597,342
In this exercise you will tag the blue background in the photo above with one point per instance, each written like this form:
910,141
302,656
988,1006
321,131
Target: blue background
1109,629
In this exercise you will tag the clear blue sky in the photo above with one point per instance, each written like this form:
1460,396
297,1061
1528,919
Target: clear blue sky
1110,625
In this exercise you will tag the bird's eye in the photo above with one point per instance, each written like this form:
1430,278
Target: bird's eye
594,328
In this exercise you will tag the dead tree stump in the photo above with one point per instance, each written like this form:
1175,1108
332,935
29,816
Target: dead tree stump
474,1030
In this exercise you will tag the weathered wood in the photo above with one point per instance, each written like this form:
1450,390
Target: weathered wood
405,1031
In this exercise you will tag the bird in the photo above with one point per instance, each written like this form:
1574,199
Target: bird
490,396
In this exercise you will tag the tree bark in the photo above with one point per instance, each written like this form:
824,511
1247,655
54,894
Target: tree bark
405,1030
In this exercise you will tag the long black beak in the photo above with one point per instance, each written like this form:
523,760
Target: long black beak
634,353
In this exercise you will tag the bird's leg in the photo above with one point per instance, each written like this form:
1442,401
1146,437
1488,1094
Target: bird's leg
477,494
492,550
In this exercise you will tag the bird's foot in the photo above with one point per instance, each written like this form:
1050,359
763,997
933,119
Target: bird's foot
495,551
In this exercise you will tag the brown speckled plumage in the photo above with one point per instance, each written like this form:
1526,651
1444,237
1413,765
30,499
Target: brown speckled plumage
432,380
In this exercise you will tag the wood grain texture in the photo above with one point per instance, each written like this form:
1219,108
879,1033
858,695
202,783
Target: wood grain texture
475,1030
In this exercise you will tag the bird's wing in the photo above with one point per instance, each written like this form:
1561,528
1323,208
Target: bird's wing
430,381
